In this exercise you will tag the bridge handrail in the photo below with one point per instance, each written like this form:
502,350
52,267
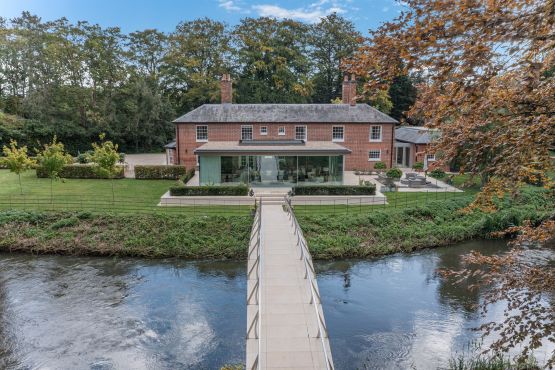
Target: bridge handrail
310,274
256,235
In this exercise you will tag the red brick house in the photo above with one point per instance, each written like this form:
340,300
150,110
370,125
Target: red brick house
263,144
413,144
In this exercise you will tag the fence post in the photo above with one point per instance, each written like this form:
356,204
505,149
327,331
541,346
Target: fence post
359,205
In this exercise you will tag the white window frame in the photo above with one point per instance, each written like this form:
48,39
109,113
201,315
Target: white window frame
265,132
381,134
247,127
375,159
196,133
305,132
281,130
430,157
342,134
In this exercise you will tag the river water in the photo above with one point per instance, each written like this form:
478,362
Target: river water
99,313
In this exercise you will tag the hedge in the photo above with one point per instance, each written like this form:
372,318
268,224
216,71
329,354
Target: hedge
79,171
193,191
188,176
159,172
334,190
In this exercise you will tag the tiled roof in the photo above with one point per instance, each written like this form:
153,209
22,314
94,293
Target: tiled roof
305,113
416,135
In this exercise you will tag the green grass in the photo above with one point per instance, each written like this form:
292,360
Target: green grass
131,196
436,223
396,200
141,235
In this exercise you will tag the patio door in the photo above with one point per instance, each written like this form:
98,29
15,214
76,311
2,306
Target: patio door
402,154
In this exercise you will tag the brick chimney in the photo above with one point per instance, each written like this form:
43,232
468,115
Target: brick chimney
226,89
349,90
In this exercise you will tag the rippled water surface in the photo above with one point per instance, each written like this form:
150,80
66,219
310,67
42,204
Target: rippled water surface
99,313
396,313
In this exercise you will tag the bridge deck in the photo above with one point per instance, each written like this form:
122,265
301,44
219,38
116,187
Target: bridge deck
289,331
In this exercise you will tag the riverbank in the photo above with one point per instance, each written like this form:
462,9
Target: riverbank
368,234
438,223
136,235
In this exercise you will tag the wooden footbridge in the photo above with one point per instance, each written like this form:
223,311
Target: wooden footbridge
285,321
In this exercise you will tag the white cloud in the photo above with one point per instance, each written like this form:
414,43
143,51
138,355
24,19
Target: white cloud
311,14
229,5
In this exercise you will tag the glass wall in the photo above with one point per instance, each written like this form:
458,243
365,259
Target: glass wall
271,170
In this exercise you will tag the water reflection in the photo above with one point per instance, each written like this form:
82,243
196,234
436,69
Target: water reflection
396,313
98,313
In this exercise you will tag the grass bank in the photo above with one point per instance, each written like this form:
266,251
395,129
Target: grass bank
95,195
141,235
436,223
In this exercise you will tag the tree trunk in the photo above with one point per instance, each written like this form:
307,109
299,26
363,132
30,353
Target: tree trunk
20,186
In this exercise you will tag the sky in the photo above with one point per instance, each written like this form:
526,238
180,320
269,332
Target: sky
164,15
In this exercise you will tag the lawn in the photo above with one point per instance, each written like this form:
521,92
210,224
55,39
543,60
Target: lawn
398,199
131,195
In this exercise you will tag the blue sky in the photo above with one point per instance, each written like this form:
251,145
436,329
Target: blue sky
164,15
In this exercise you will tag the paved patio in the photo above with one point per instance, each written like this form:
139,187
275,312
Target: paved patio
351,179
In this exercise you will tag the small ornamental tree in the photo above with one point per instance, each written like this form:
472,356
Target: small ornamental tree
418,166
380,166
52,159
17,160
105,157
394,173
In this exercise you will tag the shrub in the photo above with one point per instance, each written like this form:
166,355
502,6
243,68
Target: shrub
79,171
188,176
437,173
380,166
195,191
84,158
150,172
334,190
418,166
394,173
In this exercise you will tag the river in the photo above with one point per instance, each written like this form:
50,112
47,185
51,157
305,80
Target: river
393,312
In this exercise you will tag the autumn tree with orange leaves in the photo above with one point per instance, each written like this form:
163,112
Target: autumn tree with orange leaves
489,86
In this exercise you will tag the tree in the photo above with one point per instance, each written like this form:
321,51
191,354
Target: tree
486,82
273,61
17,160
105,157
523,279
52,160
488,85
403,96
332,39
382,102
199,53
